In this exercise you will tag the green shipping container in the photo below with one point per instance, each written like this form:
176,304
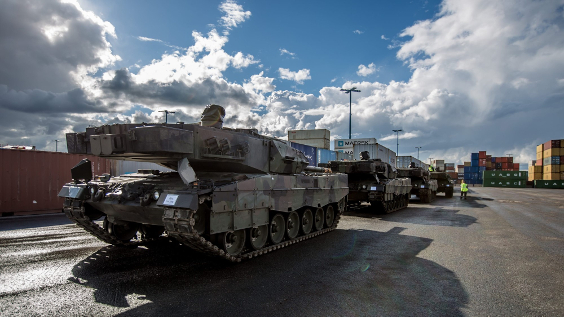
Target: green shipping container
549,184
503,182
508,175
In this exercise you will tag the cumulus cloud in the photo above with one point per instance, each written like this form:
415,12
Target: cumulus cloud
234,15
51,45
366,70
285,51
357,32
298,77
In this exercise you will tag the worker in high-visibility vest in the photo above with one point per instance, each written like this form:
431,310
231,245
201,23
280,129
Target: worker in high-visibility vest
431,168
463,190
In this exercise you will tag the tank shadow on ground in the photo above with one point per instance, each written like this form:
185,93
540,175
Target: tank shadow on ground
423,215
345,272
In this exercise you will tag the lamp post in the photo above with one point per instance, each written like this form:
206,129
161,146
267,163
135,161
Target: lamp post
397,140
56,145
350,91
430,160
418,147
166,114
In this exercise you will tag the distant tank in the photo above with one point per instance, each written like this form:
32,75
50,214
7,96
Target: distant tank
422,185
235,194
375,182
444,183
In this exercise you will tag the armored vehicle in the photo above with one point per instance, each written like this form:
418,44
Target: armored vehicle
375,182
234,194
422,185
444,182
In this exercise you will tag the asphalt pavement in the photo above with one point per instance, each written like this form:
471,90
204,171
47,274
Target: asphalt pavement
500,252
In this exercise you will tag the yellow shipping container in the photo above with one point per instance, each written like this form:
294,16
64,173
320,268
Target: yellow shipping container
547,169
539,157
536,176
540,148
551,177
467,163
538,169
551,152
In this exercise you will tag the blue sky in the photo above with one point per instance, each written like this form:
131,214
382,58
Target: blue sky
456,76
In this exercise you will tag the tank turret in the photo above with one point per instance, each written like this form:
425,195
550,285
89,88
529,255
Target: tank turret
234,193
422,185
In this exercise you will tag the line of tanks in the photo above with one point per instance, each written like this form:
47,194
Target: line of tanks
235,194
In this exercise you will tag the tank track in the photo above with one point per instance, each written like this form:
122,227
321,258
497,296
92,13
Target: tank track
428,198
79,217
391,205
179,223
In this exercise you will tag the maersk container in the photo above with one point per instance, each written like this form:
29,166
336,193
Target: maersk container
508,175
324,156
309,151
376,151
505,183
555,184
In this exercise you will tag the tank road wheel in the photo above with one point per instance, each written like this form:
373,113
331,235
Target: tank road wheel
277,229
449,193
329,216
307,221
292,225
121,232
258,237
318,219
233,242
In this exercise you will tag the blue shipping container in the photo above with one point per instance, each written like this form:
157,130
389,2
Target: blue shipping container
324,156
475,162
481,168
467,169
474,169
475,156
309,151
467,175
479,181
493,159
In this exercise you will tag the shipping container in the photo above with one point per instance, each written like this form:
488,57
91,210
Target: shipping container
309,151
309,134
493,159
539,156
551,152
551,144
510,175
556,184
324,156
342,156
476,162
551,176
505,183
317,143
405,162
547,169
376,151
349,143
474,156
120,167
481,154
551,160
31,180
540,148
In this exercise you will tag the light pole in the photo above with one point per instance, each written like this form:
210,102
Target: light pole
430,161
418,147
350,91
397,140
166,114
56,145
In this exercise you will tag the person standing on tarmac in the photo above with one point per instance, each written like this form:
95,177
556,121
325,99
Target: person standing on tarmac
463,190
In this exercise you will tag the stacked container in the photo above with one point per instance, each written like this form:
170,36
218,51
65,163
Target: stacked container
405,162
376,151
511,179
549,165
318,138
317,156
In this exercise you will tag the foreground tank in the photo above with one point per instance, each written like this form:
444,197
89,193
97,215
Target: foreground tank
422,185
375,182
235,194
444,183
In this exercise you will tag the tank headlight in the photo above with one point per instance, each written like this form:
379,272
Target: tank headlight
156,195
363,186
422,186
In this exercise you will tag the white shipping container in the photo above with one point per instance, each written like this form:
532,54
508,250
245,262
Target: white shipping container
376,151
405,162
119,167
318,143
309,134
350,143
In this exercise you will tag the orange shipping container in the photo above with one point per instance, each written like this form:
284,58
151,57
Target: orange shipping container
31,180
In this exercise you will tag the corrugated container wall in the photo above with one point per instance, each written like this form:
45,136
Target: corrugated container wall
405,162
319,138
119,167
318,143
342,156
376,151
31,180
324,156
309,151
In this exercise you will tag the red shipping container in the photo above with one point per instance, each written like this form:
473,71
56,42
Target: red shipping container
516,166
482,154
482,162
504,166
515,169
510,165
510,159
539,163
488,157
31,180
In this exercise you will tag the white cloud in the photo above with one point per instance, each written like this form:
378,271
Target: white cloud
357,32
298,77
384,37
147,39
366,70
234,14
401,136
285,51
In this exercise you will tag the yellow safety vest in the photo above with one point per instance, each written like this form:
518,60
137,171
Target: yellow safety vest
431,169
464,187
